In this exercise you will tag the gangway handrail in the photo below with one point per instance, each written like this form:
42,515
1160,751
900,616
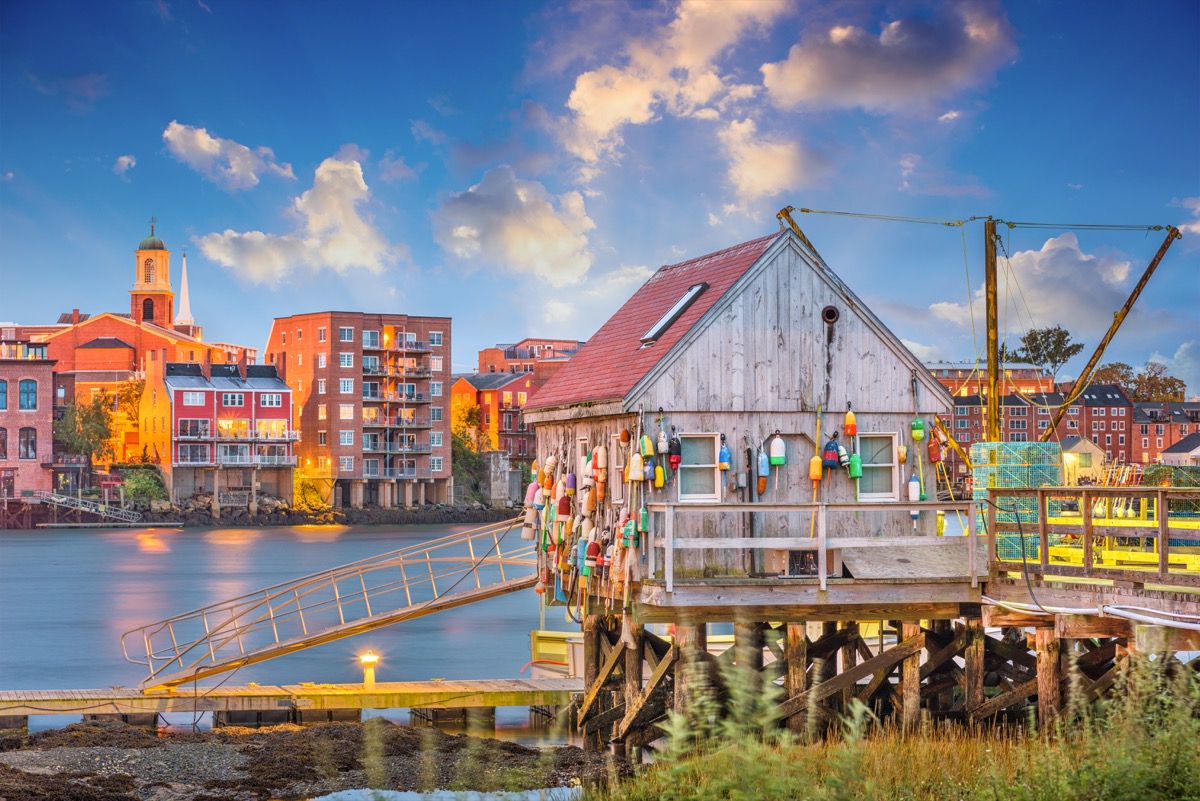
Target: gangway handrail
87,505
314,609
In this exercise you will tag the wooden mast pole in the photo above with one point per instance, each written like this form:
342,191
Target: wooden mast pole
992,432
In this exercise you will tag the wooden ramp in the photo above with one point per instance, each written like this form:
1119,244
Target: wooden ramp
438,694
946,559
412,582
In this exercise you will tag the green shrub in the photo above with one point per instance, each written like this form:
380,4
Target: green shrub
144,486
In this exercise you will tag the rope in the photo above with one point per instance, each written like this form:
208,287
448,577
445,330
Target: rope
891,218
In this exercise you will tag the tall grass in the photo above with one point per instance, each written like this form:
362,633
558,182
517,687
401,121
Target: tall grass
1142,745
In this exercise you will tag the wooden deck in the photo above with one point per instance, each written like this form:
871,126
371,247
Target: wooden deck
435,694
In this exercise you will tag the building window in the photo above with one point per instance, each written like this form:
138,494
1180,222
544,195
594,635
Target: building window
345,438
507,399
346,411
881,476
283,337
699,475
1100,411
346,464
232,398
1108,439
371,467
962,423
521,398
193,399
435,439
1119,411
1018,437
435,414
27,443
1073,410
435,363
1072,425
370,339
1145,441
346,386
1043,425
345,334
435,464
299,334
193,428
3,395
435,338
962,410
345,360
322,438
299,359
321,360
1017,411
1157,429
148,271
1016,425
1095,425
3,443
1121,440
1158,443
1145,429
320,386
271,399
27,400
435,389
320,334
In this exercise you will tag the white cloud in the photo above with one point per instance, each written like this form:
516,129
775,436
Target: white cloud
589,305
673,69
1058,285
762,167
1076,187
949,116
225,162
913,63
393,168
926,353
124,164
1184,364
424,132
517,226
713,220
1192,226
331,233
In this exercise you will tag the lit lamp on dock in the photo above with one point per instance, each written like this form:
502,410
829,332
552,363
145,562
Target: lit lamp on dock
368,659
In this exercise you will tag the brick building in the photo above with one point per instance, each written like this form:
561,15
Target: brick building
26,418
1160,426
224,429
964,379
372,397
542,357
501,398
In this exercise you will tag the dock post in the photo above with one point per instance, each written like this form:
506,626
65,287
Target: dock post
692,641
974,669
795,650
748,641
592,632
1048,653
910,679
849,660
633,674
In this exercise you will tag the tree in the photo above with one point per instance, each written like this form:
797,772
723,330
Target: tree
129,400
1049,348
87,428
467,424
1118,373
1153,384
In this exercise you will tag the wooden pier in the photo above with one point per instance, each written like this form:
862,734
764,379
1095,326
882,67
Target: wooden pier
436,694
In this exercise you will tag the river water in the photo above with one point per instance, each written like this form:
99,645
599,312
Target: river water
67,595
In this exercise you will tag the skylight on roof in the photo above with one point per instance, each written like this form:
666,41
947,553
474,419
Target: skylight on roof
673,314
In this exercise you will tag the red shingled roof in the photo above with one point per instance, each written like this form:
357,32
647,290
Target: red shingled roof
613,361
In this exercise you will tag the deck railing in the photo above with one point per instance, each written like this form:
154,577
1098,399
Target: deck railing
1134,534
666,539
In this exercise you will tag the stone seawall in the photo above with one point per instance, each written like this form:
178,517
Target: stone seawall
367,516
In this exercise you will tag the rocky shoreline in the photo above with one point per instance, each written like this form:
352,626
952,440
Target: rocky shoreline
102,761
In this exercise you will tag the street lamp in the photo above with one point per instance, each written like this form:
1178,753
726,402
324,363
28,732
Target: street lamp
368,659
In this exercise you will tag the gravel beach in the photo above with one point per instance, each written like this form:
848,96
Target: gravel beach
116,762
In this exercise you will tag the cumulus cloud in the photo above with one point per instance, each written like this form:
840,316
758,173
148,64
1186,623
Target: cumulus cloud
1192,226
761,167
124,164
331,233
519,227
913,62
1184,364
1058,284
225,162
671,70
926,353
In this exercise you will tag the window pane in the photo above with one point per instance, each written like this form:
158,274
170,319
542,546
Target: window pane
698,450
875,479
695,481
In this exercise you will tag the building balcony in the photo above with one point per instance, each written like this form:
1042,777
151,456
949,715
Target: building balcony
394,472
238,460
248,436
394,447
69,460
398,422
395,397
410,346
398,372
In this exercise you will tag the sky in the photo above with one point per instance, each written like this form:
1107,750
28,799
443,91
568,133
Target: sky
524,167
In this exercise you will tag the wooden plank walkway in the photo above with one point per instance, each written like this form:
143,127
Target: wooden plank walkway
443,694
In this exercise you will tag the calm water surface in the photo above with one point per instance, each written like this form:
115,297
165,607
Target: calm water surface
66,596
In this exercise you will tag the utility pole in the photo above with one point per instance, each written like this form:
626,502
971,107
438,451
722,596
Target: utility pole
992,431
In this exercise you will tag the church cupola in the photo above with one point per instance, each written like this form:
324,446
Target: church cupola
151,299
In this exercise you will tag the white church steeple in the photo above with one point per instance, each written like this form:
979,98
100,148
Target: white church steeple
185,308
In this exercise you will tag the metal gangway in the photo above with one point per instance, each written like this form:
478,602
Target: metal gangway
102,509
341,602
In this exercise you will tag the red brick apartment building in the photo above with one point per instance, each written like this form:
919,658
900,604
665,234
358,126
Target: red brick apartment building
1159,426
964,379
501,398
223,428
372,395
26,418
542,357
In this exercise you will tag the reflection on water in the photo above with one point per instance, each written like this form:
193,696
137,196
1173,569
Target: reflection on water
68,595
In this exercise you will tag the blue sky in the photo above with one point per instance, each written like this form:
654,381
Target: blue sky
523,166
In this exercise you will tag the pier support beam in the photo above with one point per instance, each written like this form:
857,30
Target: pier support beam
974,669
1048,649
910,679
593,630
691,640
795,651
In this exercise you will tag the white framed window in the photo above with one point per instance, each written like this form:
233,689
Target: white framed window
299,334
1018,437
1017,411
1073,410
345,360
1100,412
232,399
299,359
1016,425
346,334
346,386
435,414
371,467
320,334
1158,443
1121,440
435,389
346,437
435,338
435,464
699,475
346,411
193,399
435,363
320,386
370,339
962,423
346,464
322,411
1108,439
881,474
322,438
435,439
522,397
1043,424
321,360
271,400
